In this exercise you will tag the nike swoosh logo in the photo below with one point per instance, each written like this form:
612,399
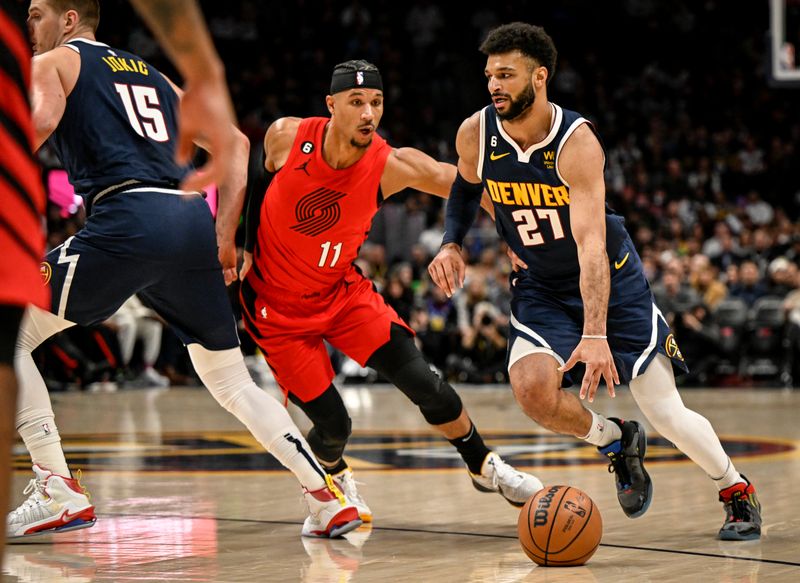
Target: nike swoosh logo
493,157
619,264
67,517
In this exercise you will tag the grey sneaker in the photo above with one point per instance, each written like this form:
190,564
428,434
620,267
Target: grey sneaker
626,457
513,485
742,512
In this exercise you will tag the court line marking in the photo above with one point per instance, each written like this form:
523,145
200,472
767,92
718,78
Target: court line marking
425,531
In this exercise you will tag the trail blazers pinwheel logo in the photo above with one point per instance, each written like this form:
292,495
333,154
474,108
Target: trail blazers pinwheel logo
318,211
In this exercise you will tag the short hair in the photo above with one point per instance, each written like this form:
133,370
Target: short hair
532,41
89,10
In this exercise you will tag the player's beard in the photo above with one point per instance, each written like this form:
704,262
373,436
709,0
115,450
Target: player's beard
519,104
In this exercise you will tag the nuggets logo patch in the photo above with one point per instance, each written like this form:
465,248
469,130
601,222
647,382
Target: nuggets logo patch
671,346
46,272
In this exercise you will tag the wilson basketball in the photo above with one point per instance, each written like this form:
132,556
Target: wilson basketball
560,526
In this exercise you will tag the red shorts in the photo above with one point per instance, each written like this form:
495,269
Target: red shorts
290,331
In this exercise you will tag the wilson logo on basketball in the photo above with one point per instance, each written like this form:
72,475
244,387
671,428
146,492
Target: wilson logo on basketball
540,516
318,211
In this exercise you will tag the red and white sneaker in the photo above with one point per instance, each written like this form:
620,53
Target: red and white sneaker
345,481
55,504
330,514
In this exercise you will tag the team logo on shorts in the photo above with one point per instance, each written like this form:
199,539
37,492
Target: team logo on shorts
46,272
318,211
671,346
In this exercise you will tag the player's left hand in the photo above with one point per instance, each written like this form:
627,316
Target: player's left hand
596,354
227,258
206,113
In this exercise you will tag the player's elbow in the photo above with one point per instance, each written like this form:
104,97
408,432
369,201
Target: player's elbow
43,127
590,244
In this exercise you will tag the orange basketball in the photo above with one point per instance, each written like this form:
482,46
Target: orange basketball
559,526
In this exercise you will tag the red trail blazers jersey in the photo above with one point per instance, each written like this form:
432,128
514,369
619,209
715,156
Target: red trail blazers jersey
314,217
22,197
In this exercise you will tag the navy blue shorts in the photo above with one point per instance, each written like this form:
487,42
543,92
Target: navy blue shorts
551,318
153,242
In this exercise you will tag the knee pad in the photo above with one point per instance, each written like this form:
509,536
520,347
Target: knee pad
332,424
402,364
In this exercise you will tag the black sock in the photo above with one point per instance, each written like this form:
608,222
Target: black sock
472,449
339,467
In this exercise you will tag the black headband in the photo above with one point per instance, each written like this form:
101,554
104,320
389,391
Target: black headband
343,80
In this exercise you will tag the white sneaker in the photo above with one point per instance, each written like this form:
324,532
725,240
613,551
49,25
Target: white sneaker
348,485
513,485
55,504
152,377
330,514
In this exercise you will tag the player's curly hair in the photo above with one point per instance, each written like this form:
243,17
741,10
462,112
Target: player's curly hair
532,41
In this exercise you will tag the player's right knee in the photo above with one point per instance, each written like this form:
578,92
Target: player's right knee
538,397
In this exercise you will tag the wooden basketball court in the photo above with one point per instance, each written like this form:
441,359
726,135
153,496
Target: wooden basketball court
183,493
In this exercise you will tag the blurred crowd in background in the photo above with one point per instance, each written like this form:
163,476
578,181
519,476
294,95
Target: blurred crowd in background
701,161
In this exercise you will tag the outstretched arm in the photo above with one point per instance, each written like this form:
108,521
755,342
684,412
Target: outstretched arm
448,269
277,143
206,111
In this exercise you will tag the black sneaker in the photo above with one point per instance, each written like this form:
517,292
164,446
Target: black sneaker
634,488
743,512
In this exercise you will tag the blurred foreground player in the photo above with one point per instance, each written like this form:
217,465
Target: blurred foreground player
112,120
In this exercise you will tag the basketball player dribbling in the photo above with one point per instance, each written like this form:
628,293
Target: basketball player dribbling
112,120
327,178
579,292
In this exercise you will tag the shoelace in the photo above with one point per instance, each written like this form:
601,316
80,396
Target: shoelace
36,490
349,488
617,465
504,471
740,510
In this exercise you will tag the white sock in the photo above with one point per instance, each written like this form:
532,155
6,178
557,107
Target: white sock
35,419
729,478
41,437
294,453
602,432
658,398
225,375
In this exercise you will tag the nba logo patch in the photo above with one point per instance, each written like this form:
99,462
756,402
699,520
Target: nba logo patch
359,77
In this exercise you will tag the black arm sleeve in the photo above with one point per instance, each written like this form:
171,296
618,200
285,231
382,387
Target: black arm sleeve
257,182
462,207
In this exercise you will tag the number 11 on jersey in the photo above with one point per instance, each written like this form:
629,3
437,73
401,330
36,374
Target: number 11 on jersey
326,247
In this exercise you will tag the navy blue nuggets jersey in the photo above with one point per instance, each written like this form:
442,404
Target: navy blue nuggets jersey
119,124
531,202
531,199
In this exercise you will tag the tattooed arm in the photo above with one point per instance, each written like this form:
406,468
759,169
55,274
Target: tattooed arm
206,111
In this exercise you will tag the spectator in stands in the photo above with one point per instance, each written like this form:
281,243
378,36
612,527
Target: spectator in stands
750,286
699,337
673,296
704,279
134,321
